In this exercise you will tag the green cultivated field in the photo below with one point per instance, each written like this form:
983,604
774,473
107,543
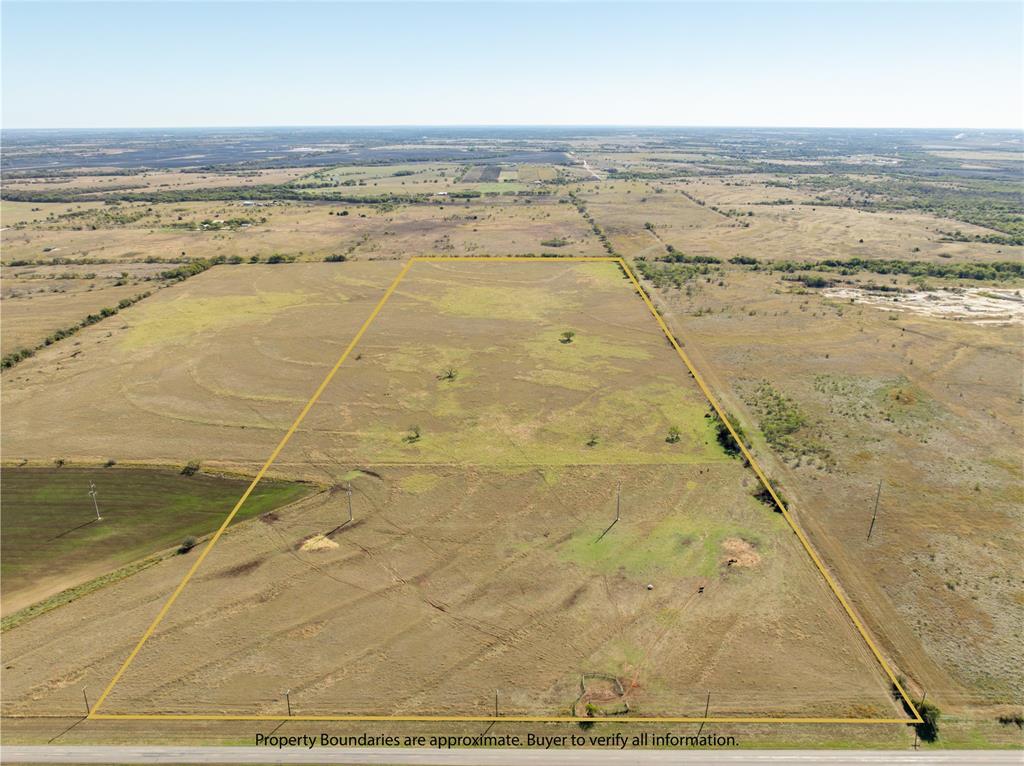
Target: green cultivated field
50,533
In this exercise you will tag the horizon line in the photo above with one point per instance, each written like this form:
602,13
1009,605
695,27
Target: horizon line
485,126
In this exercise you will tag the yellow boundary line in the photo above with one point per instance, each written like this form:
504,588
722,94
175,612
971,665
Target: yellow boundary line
96,716
486,719
768,485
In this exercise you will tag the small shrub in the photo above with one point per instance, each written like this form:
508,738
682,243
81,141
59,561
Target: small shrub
336,258
186,545
674,434
591,711
14,357
592,441
110,463
191,469
761,494
814,281
413,436
567,336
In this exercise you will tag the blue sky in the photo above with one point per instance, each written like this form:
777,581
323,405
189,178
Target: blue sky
151,64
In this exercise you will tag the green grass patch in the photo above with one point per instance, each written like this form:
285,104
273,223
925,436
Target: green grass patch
49,527
902,402
584,353
508,302
631,426
573,381
496,187
181,319
418,483
680,545
785,426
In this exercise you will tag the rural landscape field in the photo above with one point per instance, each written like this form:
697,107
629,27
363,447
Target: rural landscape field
597,427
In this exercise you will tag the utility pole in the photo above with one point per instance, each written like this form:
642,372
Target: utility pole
495,703
95,505
348,491
707,707
618,511
920,705
86,698
874,513
288,699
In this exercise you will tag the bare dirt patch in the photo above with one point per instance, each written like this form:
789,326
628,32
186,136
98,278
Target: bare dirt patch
976,305
317,543
739,553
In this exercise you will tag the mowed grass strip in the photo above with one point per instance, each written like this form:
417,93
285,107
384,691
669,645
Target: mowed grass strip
50,535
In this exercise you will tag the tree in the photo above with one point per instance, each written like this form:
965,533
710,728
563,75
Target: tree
928,729
725,438
567,336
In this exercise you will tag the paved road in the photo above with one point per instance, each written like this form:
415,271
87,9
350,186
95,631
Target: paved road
426,757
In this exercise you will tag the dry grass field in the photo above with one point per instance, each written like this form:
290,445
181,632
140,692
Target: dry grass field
930,407
624,208
308,231
212,369
810,232
473,561
12,213
114,181
484,454
433,179
40,300
748,226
